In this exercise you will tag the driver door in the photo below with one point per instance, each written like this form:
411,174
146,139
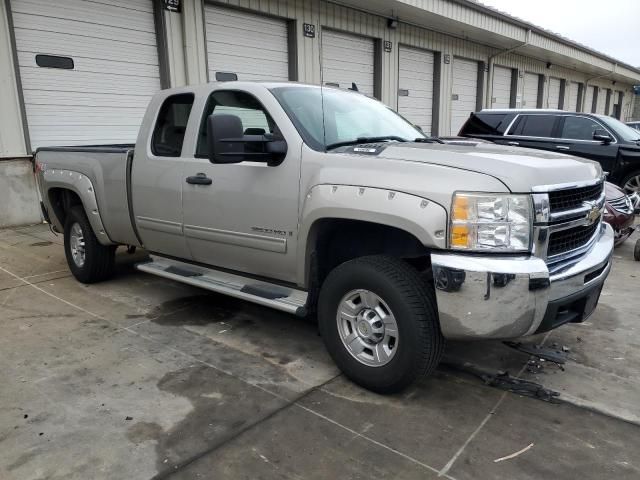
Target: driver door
246,218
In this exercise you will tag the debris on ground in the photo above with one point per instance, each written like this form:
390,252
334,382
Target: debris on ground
504,381
128,418
558,356
526,388
513,455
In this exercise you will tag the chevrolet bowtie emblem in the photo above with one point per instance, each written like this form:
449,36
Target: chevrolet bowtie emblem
593,215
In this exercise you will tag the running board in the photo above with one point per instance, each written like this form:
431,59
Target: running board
286,299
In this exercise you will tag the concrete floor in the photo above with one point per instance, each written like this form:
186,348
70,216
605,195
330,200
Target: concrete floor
142,378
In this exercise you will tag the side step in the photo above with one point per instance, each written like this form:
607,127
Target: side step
286,299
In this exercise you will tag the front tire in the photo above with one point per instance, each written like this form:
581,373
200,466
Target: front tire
379,322
88,259
636,251
631,183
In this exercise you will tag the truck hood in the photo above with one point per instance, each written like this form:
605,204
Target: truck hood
520,169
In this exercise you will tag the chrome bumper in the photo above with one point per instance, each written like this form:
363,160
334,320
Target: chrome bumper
498,297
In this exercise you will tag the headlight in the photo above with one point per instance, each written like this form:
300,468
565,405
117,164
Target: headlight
485,221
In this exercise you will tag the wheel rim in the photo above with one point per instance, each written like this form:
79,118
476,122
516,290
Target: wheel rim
632,185
76,242
367,328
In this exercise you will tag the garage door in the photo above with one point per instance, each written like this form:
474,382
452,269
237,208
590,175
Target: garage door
501,96
602,101
252,46
574,88
87,69
415,86
588,99
553,97
347,59
530,92
464,93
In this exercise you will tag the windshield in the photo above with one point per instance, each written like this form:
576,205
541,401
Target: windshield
625,131
348,116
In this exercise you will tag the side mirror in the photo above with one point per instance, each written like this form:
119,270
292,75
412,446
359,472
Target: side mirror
228,144
601,135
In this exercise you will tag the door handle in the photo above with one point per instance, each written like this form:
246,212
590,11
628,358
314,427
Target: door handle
199,179
562,147
515,144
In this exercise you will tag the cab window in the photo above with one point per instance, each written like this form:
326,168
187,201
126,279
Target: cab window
534,126
171,125
255,119
579,128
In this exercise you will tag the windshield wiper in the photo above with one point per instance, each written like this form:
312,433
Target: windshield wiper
365,140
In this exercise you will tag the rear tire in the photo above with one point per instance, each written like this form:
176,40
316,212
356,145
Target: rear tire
636,251
88,259
365,302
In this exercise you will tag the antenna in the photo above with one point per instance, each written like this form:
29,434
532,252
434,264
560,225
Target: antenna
324,129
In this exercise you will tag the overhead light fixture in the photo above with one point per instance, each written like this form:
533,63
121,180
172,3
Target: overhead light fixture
392,23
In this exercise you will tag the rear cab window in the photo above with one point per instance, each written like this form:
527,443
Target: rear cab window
171,125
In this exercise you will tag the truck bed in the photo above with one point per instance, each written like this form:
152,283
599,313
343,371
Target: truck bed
108,167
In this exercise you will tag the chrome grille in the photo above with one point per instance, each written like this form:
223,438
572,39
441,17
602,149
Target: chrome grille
571,198
622,204
564,241
568,222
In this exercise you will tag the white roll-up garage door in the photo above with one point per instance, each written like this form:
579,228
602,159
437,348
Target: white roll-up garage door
348,59
100,68
530,91
501,91
553,97
415,86
602,100
588,99
252,46
574,88
464,94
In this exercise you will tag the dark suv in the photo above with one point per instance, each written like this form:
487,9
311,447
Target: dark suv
597,137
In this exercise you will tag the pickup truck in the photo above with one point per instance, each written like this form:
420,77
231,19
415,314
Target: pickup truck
319,201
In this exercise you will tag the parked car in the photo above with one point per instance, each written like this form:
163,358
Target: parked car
635,125
606,140
620,211
306,199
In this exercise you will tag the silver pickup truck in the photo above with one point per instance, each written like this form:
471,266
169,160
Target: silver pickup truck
318,201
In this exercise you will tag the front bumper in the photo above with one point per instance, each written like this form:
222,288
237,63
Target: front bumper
498,297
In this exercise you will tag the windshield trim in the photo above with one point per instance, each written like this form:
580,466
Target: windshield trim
307,137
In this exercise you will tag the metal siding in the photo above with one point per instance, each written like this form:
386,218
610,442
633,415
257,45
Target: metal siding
501,90
103,99
573,97
465,86
530,90
251,45
348,59
553,96
415,74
